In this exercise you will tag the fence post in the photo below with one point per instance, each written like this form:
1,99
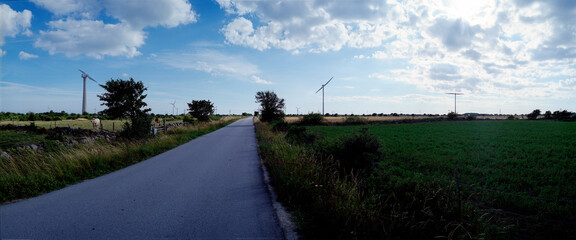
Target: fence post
164,123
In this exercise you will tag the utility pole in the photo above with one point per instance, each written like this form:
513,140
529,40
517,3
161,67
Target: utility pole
455,93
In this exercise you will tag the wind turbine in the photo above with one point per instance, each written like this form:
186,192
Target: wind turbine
322,88
84,76
455,93
173,106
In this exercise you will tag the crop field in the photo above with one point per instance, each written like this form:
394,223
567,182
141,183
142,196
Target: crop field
109,125
525,168
374,119
77,123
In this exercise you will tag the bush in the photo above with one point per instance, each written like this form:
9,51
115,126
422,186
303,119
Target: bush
452,116
355,120
189,119
357,154
511,117
471,117
299,135
138,128
312,119
534,114
280,126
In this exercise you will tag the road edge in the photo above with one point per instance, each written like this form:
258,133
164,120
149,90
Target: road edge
282,215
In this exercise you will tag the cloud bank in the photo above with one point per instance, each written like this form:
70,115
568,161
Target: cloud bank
77,31
470,46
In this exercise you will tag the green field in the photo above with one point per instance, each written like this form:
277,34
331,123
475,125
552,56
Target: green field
109,125
526,167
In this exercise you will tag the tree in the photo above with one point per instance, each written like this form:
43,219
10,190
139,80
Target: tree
534,114
271,106
201,109
548,115
125,98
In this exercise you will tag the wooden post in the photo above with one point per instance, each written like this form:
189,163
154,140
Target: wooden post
112,126
164,123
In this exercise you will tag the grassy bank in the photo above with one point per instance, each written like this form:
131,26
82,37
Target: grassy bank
491,180
31,173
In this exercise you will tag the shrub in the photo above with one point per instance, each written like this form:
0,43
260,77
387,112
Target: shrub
452,116
471,117
312,119
534,114
138,128
357,153
355,120
511,117
280,126
189,119
299,135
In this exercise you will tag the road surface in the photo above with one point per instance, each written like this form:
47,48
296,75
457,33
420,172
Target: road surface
209,188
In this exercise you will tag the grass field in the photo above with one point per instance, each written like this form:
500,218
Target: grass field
373,119
109,125
523,167
442,179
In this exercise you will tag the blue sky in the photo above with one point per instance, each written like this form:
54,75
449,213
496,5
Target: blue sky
385,56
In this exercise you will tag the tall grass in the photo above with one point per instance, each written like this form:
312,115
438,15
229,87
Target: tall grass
32,173
329,205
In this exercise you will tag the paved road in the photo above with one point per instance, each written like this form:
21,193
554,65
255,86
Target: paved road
209,188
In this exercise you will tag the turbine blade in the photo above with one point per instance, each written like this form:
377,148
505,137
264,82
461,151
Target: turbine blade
320,89
92,79
82,71
328,81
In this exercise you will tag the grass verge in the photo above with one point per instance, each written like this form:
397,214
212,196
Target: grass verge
31,173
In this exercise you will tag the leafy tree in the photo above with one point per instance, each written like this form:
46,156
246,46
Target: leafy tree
534,114
548,115
125,98
271,106
201,109
452,115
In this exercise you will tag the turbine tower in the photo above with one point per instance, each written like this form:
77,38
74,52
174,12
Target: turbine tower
84,76
173,106
455,93
322,88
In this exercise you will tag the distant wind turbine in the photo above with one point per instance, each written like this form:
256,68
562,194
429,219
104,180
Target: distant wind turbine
322,88
173,106
84,76
455,93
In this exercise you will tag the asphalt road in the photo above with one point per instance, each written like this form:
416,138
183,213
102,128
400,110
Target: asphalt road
209,188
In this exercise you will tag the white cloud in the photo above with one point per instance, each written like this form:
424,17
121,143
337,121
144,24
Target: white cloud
78,33
25,56
316,26
13,22
86,8
2,52
259,80
140,14
84,37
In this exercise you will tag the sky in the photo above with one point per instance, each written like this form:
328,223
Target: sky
385,56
